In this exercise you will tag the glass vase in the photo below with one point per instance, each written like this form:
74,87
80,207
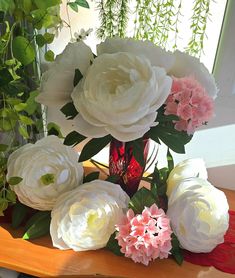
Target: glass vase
123,164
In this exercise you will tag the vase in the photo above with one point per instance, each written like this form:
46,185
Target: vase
123,164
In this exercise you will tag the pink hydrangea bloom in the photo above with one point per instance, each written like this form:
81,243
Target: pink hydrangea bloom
145,237
190,102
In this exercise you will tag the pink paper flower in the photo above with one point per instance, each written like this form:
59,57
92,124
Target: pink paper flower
145,237
190,102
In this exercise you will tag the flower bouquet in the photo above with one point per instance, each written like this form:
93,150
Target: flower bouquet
129,93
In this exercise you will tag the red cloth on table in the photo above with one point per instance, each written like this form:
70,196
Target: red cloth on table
223,256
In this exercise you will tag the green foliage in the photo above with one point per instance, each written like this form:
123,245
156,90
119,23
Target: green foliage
93,147
77,77
90,177
166,132
176,251
47,179
44,4
18,215
69,111
73,138
74,5
138,151
113,246
113,17
38,225
49,56
23,50
142,198
54,129
113,178
20,115
201,13
14,180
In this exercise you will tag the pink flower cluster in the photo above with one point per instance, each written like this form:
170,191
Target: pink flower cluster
190,101
145,237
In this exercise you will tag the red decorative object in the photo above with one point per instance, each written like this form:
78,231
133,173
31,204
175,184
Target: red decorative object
123,164
223,256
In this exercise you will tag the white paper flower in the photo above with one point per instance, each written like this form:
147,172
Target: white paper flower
157,56
199,215
57,81
186,65
188,168
48,169
120,96
85,218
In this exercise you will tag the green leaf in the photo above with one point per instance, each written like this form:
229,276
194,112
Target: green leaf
90,177
38,225
94,146
113,246
73,138
40,40
73,6
44,4
176,251
49,37
142,198
170,161
13,101
5,77
154,190
113,178
138,151
23,131
153,134
49,56
7,5
82,3
26,6
18,215
175,140
77,77
3,206
14,180
11,196
22,50
54,129
26,120
47,179
69,110
32,105
3,147
20,107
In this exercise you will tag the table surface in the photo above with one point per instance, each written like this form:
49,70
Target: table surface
38,257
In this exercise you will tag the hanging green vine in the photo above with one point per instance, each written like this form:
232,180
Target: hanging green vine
123,18
176,23
154,20
113,18
201,12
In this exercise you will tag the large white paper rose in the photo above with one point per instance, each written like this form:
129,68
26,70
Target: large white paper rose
57,81
120,96
85,218
186,65
48,169
188,168
199,215
157,56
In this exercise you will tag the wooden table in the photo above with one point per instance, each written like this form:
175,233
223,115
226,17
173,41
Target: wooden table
39,258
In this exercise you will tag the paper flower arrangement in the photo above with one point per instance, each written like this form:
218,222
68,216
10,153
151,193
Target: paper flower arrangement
128,89
129,92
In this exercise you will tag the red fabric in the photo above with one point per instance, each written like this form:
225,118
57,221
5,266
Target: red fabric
223,256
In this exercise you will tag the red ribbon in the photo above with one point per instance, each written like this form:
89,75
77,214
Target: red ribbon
223,256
